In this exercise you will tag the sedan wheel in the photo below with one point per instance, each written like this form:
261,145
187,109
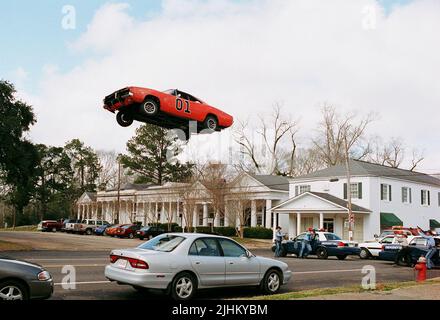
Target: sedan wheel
364,254
124,119
131,236
211,123
149,107
12,291
321,253
271,282
183,287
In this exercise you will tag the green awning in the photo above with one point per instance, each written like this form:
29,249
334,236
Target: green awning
389,220
434,224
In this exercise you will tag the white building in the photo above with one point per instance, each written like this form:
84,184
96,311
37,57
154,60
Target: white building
151,203
382,197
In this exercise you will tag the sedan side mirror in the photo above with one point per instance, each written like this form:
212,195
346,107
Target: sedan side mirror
249,254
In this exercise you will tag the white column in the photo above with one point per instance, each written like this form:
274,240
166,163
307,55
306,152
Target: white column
178,220
217,219
321,220
253,213
195,216
78,215
156,212
162,213
268,213
170,212
205,214
292,225
298,223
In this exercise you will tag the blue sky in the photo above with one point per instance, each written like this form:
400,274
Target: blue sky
32,36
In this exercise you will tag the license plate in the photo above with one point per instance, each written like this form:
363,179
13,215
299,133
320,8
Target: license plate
393,248
121,263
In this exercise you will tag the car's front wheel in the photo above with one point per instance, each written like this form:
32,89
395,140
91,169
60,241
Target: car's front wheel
322,253
364,254
404,260
149,107
272,282
183,287
131,236
124,119
89,232
13,290
211,123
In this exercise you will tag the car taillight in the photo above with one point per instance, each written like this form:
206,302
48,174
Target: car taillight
341,244
382,248
138,264
113,258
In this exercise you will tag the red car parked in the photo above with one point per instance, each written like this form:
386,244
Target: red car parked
169,109
127,231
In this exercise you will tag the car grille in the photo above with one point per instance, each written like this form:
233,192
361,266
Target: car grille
117,96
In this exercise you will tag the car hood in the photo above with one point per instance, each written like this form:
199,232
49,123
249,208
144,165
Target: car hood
20,262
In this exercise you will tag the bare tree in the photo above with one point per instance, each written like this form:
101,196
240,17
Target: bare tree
238,202
335,129
275,153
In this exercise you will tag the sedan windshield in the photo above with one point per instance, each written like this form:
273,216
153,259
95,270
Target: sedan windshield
165,243
331,236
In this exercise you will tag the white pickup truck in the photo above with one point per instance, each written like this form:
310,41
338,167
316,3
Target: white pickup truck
87,226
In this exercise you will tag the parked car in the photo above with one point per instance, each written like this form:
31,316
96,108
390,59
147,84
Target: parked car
21,280
169,109
374,247
399,230
127,231
324,245
68,224
111,231
101,230
87,226
182,263
149,232
50,225
408,255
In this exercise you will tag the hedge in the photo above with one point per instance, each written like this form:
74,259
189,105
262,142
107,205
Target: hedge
221,231
258,233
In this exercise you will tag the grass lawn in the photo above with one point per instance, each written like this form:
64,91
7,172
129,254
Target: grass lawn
254,243
381,287
21,228
9,246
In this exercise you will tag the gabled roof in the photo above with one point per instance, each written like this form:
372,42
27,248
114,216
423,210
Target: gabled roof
273,182
91,195
363,168
341,203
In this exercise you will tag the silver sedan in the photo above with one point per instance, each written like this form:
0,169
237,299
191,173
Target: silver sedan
181,263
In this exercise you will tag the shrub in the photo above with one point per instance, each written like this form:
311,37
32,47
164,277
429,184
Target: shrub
258,233
222,231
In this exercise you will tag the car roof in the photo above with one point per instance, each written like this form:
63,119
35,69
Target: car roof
195,235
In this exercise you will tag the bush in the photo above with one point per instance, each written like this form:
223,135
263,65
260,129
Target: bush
258,233
221,231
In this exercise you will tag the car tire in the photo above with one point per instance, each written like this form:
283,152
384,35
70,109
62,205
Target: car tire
89,232
183,287
141,238
364,254
403,260
342,257
149,107
19,291
124,118
54,229
131,236
211,123
322,253
271,282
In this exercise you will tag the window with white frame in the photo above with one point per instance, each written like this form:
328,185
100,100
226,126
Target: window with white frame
355,190
385,192
426,198
406,195
300,189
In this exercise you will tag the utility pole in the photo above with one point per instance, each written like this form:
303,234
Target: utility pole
118,202
350,212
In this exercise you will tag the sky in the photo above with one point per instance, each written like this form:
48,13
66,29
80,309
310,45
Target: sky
240,55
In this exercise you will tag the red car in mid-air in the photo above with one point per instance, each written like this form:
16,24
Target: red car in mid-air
169,109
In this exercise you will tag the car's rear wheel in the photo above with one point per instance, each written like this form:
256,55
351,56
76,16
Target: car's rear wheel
211,123
342,257
13,290
322,253
54,229
124,118
404,260
149,107
131,236
364,254
183,287
89,232
271,282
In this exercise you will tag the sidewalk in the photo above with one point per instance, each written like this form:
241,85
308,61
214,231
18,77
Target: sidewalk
418,292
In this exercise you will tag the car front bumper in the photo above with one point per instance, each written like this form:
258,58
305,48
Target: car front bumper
40,289
287,275
145,279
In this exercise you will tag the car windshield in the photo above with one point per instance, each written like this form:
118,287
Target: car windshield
170,91
331,236
145,228
165,243
126,226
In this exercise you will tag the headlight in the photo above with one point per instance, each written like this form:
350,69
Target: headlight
44,276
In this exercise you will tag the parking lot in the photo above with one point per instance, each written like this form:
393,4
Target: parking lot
90,254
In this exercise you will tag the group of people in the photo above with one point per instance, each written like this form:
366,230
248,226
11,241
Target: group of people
305,244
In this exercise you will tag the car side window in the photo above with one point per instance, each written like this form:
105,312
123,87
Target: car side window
99,223
387,240
300,237
231,249
205,247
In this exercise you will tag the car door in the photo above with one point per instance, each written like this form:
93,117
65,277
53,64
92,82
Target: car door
207,261
296,244
240,267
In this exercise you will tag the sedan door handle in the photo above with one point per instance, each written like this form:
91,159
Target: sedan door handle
197,262
230,262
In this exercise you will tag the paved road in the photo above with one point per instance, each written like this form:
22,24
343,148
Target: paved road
309,273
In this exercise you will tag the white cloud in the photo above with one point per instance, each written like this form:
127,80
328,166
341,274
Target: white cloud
244,56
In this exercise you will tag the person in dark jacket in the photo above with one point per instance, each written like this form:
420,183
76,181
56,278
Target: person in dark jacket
278,241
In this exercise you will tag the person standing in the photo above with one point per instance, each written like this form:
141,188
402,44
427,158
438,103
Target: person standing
278,242
430,243
305,244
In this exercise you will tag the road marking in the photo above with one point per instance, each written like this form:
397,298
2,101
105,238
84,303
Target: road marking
327,271
85,282
75,265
